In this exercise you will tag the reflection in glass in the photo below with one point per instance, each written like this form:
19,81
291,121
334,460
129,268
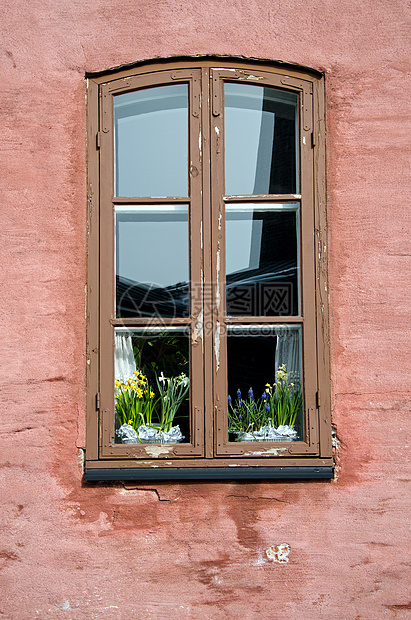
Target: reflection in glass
264,382
152,270
151,142
152,385
262,260
260,140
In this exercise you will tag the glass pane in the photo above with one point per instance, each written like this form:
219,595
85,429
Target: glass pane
264,383
262,260
152,261
261,130
151,142
152,385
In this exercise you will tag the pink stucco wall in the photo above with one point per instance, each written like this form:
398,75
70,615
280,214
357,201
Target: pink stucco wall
197,551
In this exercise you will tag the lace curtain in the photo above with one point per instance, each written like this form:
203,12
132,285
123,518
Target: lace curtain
288,349
288,352
124,362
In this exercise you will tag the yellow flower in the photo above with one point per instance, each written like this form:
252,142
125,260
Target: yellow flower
151,394
130,422
139,392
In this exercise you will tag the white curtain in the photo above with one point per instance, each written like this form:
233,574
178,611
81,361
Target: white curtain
288,350
124,362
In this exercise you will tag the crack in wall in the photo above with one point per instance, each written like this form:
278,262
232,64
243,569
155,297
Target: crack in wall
260,497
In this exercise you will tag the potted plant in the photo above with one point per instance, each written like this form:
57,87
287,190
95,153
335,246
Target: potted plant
145,416
272,417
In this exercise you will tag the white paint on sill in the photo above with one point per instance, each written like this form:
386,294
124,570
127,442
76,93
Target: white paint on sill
269,452
157,450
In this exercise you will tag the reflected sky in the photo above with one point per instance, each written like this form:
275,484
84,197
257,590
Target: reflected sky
151,142
152,244
260,140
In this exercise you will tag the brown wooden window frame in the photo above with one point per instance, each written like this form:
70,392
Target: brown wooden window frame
209,454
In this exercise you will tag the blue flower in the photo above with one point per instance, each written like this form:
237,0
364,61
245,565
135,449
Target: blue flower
239,394
229,399
251,394
263,396
267,407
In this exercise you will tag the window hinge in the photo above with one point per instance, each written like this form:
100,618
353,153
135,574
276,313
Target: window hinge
313,140
98,140
318,399
98,401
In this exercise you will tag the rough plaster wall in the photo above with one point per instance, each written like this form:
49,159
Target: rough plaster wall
199,551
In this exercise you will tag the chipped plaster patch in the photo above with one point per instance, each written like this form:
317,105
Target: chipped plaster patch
278,553
260,561
157,450
335,441
66,605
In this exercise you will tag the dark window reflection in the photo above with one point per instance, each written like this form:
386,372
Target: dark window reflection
262,262
251,363
260,140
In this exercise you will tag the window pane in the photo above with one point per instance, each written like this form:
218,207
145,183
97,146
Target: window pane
152,261
261,358
152,385
262,260
151,142
260,140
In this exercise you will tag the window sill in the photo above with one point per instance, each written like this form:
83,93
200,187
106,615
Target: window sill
211,473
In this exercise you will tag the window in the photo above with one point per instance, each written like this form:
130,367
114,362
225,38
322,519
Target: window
207,309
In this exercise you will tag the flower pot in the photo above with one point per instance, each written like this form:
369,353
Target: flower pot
148,434
267,433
